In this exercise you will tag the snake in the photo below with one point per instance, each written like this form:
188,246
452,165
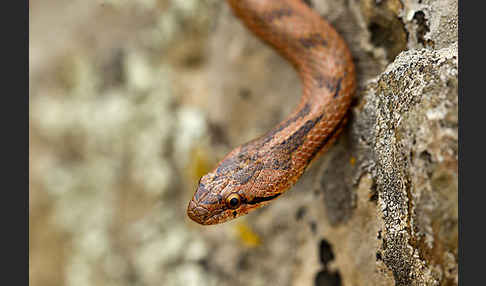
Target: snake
261,170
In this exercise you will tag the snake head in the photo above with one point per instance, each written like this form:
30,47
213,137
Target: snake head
233,189
207,205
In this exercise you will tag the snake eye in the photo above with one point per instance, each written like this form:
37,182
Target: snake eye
233,201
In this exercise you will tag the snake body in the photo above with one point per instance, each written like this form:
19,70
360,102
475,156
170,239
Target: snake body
259,171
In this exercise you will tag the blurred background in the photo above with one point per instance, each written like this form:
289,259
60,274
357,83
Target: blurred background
127,111
131,102
117,141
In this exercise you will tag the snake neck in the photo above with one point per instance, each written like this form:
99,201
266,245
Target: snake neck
309,43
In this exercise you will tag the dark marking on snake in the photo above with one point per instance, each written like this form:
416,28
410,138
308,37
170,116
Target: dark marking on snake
284,163
338,87
302,113
246,173
277,14
212,199
201,190
325,81
227,165
257,200
320,80
307,2
297,138
333,85
289,145
313,40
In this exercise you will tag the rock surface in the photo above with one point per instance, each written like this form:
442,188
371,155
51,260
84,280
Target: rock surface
131,102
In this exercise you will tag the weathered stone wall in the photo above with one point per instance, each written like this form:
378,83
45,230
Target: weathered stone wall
132,101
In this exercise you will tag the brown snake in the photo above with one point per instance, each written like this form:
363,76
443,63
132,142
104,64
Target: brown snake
259,171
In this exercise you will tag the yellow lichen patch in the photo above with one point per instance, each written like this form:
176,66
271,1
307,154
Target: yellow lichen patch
199,164
247,236
352,160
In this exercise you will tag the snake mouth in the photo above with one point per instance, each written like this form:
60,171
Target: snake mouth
200,214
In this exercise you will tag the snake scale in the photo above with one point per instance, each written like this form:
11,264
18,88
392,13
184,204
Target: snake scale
259,171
